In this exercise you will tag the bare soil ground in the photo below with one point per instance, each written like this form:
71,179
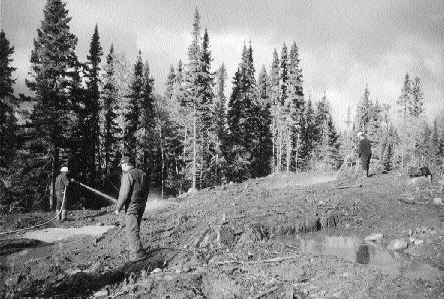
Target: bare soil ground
284,236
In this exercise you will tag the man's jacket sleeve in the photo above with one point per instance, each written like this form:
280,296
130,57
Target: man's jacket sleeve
125,190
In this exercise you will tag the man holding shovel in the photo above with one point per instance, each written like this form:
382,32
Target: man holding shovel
61,184
133,195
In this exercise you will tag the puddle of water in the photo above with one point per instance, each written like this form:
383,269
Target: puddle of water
63,237
57,234
30,254
355,250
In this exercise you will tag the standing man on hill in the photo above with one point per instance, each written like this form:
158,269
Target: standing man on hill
364,152
133,195
61,184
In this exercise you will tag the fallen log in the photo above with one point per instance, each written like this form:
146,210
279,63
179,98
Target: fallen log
348,186
274,260
264,293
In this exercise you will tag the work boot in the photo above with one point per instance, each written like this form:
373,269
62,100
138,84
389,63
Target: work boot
63,215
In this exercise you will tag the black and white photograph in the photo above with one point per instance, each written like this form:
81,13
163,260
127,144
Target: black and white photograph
221,149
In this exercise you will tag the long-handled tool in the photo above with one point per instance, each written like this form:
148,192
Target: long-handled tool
347,158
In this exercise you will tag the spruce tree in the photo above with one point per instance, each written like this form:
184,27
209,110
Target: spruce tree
206,129
146,145
296,105
411,122
170,83
193,150
8,122
327,147
275,109
220,117
110,127
404,99
247,145
375,129
132,117
415,108
173,133
309,135
92,107
263,85
53,61
363,112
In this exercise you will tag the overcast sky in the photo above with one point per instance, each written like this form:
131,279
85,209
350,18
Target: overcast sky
343,45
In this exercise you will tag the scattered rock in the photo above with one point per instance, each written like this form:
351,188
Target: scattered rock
253,233
410,232
157,270
418,242
438,201
192,190
103,293
13,280
224,219
225,237
377,237
397,244
418,181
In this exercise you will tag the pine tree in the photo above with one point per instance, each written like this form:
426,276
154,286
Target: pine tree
135,97
53,61
110,127
8,122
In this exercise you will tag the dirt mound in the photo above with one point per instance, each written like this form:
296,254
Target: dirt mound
227,242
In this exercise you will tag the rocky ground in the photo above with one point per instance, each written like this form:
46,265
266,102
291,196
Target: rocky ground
305,235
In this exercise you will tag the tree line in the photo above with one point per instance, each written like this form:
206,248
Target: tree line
196,134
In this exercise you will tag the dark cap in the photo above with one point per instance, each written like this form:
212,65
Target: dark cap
127,160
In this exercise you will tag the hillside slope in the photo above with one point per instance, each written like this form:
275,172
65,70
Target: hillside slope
282,236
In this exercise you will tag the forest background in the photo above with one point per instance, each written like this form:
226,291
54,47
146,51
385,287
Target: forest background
205,128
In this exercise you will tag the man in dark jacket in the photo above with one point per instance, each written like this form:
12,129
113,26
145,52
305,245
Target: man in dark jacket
133,195
364,152
61,184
